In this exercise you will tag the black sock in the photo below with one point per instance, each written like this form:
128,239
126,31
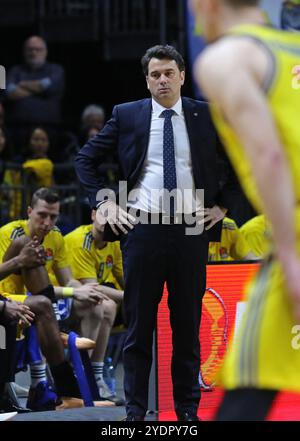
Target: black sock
65,381
48,292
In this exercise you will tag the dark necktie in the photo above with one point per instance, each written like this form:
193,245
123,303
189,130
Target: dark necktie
170,181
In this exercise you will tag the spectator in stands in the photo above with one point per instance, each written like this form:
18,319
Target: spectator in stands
233,245
257,232
34,92
92,131
93,116
10,201
84,301
93,260
38,164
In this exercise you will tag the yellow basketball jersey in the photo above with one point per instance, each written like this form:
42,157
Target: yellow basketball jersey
257,232
263,354
53,244
233,245
283,95
89,262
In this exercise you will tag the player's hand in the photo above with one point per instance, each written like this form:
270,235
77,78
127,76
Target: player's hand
214,215
90,293
115,216
17,312
32,254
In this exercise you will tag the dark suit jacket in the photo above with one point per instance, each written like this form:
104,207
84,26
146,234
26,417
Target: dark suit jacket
127,134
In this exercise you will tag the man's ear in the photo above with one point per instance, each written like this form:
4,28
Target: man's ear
182,77
29,211
147,83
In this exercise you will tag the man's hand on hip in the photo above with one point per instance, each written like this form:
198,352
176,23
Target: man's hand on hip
214,215
117,218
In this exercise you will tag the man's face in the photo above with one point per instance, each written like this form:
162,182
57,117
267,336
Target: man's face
43,217
94,120
164,80
35,52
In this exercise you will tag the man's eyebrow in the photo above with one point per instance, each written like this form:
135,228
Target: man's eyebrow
170,69
45,212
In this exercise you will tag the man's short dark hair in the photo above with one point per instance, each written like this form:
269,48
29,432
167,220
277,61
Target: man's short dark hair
240,3
45,194
162,52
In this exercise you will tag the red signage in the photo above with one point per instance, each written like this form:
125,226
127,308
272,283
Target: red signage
222,300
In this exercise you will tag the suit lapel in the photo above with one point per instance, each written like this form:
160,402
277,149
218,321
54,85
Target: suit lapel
196,128
142,128
142,122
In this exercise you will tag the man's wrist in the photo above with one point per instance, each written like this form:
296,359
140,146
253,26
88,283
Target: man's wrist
68,291
18,262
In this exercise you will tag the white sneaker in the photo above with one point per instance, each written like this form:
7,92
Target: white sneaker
103,389
20,391
7,416
105,394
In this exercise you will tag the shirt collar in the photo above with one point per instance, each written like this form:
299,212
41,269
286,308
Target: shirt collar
158,109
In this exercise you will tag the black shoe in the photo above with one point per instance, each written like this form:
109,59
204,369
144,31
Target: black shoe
114,399
187,416
134,418
7,405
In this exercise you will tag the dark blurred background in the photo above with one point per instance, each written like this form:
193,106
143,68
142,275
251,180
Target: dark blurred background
98,42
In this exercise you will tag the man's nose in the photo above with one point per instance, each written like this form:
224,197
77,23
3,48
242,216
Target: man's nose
163,78
47,221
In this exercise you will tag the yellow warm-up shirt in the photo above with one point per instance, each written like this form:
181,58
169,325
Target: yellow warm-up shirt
257,232
233,245
88,262
53,244
42,169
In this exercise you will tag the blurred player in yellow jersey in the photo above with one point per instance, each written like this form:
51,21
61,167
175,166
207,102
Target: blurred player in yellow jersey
247,73
93,260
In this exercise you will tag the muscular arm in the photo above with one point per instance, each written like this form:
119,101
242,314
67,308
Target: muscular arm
65,279
22,253
112,293
89,293
10,267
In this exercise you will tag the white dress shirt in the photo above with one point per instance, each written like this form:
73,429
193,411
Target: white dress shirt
151,181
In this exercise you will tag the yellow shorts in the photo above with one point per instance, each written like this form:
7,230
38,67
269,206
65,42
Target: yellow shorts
264,353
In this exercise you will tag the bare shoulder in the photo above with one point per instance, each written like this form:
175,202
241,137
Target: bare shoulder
221,60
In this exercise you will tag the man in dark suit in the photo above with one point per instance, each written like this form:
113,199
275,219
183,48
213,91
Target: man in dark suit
165,142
